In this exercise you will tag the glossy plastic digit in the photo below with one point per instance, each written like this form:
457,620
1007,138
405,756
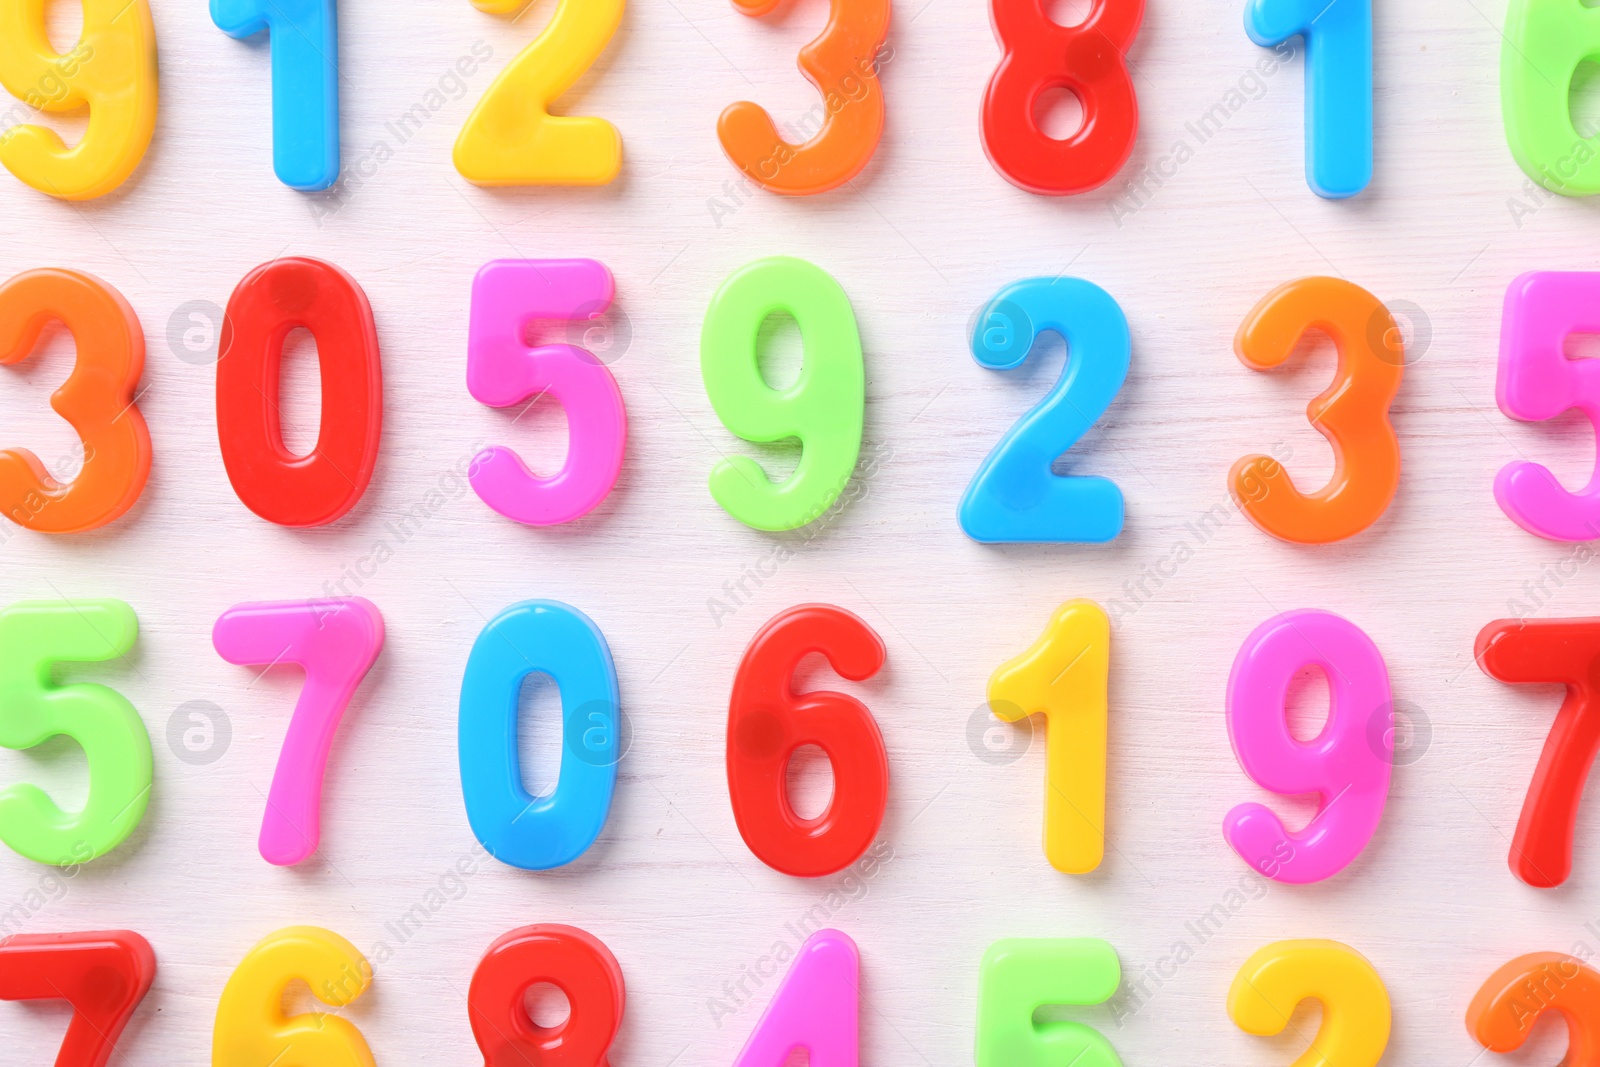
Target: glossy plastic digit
102,974
1338,36
1062,676
1538,382
97,399
538,833
1506,1007
271,301
768,721
511,138
253,1028
1355,1004
1550,652
336,642
1347,764
817,1008
35,635
825,407
304,39
503,370
1089,60
843,63
1015,495
572,960
1352,413
1021,975
1543,44
111,71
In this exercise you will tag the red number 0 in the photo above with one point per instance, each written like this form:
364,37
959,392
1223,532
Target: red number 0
1087,59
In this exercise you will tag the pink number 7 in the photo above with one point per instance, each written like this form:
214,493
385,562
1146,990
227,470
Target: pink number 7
336,641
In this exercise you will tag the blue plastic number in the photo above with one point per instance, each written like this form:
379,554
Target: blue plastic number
1015,496
1338,36
537,833
305,82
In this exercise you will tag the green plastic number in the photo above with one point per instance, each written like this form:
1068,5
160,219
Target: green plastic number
824,407
34,636
1545,41
1021,975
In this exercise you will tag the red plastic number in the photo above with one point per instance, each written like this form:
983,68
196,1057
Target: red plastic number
1087,59
575,962
1551,651
768,720
103,975
272,300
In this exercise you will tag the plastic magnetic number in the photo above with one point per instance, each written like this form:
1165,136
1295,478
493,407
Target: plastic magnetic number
768,721
1087,59
1355,1004
503,369
1550,652
1502,1013
97,399
267,305
817,1007
35,635
1015,496
103,975
111,71
1545,42
843,63
1352,413
572,960
1537,382
252,1026
1338,36
1347,765
538,833
1062,676
824,408
1020,975
336,642
511,138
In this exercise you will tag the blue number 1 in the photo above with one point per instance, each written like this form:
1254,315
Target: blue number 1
537,833
1338,36
1015,496
305,83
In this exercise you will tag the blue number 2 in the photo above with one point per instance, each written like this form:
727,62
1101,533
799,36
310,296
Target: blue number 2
304,38
1015,496
537,833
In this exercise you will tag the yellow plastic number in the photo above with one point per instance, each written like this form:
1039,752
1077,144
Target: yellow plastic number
1355,1005
111,71
511,138
252,1027
1063,678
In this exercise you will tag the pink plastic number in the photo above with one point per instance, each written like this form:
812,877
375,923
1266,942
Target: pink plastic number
336,641
508,295
817,1008
1347,764
1537,381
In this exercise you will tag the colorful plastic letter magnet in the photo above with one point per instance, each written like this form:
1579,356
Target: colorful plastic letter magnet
1355,1004
1504,1010
817,1008
572,960
102,974
1019,976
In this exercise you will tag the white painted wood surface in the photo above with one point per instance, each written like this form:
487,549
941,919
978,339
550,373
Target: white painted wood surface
920,241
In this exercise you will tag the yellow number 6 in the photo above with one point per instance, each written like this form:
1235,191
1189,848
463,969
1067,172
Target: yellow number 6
252,1027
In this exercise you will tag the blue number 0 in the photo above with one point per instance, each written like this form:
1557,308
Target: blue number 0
1015,496
537,833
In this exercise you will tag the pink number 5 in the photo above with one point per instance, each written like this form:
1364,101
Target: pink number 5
336,641
503,369
1346,765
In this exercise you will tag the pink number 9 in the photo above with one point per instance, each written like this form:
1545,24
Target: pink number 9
1347,765
503,369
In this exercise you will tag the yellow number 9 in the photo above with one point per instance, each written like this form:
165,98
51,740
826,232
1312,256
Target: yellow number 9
251,1024
112,71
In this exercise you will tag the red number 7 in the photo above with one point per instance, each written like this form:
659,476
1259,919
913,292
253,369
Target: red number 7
103,975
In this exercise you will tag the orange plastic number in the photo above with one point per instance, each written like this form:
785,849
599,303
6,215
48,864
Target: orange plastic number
1502,1014
843,63
1352,413
97,399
